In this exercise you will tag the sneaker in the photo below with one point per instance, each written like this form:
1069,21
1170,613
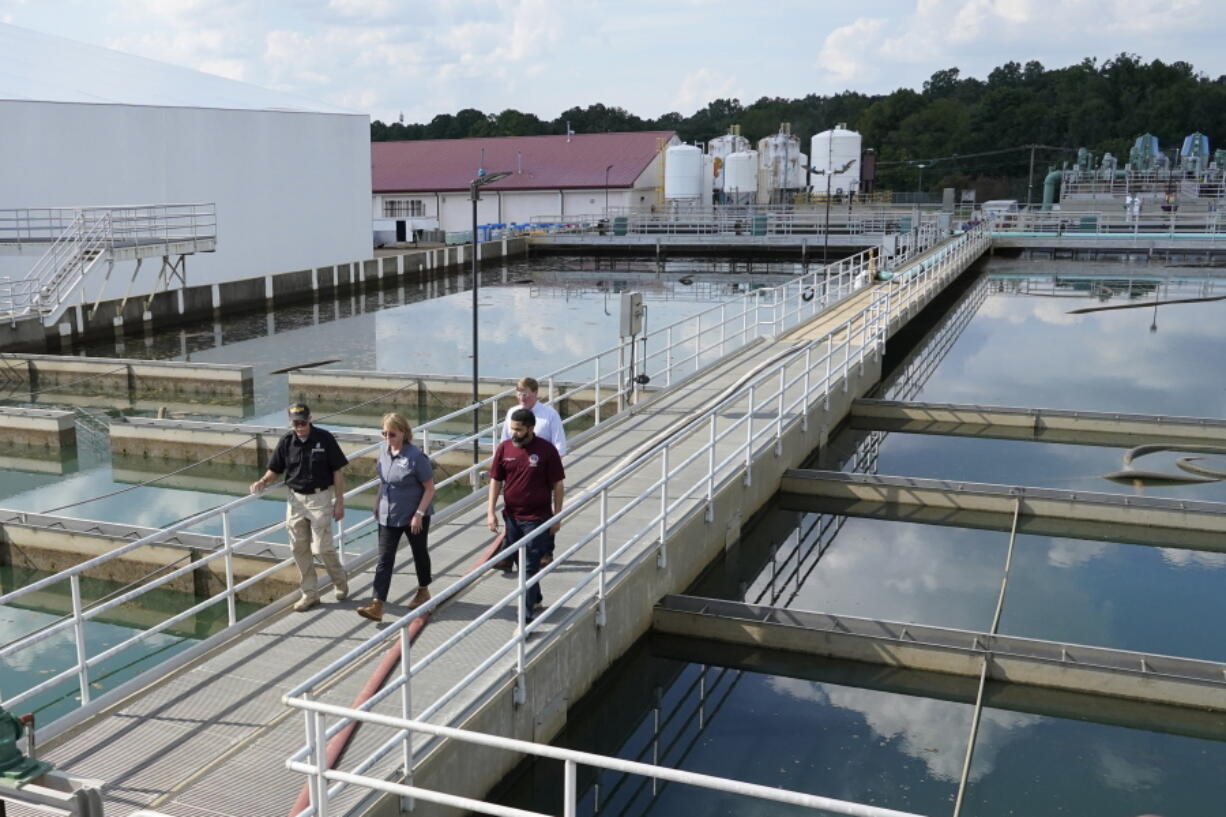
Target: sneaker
547,559
342,591
305,603
506,566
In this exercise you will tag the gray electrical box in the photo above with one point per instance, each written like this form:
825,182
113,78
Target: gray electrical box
633,311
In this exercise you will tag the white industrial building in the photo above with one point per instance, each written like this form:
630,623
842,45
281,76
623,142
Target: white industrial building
87,126
424,185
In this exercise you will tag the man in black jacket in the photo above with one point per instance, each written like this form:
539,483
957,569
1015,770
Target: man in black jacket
311,461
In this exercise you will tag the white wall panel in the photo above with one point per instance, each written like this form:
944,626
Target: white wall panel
293,190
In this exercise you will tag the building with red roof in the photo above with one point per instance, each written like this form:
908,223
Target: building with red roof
425,184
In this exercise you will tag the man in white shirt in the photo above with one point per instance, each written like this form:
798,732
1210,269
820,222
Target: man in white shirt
548,427
548,423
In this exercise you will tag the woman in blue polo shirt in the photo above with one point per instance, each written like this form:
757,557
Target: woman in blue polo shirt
404,506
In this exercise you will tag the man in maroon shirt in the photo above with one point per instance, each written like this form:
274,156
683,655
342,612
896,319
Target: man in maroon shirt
531,471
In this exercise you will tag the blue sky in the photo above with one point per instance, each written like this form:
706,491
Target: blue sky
384,57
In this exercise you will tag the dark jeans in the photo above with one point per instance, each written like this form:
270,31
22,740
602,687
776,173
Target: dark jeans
517,529
389,540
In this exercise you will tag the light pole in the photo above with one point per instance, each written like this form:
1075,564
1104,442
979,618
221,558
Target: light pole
606,192
474,189
828,172
919,183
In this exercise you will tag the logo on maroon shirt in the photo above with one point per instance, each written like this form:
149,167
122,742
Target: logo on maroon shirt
533,459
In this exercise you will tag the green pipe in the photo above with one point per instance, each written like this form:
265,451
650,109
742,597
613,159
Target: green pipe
1049,188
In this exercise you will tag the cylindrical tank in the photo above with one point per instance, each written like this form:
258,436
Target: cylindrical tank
741,177
720,148
683,173
708,180
778,166
804,171
836,152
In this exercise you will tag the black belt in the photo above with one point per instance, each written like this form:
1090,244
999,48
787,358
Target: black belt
309,491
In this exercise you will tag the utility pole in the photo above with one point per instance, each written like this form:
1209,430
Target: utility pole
1030,179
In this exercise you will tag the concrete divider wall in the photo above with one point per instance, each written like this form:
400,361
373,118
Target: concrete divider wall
54,543
53,431
211,382
417,391
251,445
193,302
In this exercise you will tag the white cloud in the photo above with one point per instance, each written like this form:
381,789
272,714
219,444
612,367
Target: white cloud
930,730
843,55
703,85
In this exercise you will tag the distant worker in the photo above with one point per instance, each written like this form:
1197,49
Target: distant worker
532,472
403,505
548,422
311,461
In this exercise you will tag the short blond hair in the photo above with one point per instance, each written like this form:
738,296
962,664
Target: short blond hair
528,383
398,422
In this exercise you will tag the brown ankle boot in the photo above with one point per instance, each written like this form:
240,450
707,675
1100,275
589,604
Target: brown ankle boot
423,596
372,611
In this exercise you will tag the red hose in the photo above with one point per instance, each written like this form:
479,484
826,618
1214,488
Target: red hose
340,741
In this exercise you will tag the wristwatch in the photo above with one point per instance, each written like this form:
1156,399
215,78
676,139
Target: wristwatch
419,513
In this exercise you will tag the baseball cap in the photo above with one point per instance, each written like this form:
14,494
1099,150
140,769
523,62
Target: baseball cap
299,411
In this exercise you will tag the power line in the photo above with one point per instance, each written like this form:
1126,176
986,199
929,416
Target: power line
931,160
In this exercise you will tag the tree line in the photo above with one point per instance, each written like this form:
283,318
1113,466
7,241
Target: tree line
1102,106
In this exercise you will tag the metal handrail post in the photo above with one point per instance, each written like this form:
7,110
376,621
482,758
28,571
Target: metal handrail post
321,765
597,384
662,556
711,470
804,405
228,544
78,626
723,329
406,706
603,564
783,368
521,623
749,440
570,789
668,357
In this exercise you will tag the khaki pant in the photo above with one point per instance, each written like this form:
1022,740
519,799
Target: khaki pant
308,518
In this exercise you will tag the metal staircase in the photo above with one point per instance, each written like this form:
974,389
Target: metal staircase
73,241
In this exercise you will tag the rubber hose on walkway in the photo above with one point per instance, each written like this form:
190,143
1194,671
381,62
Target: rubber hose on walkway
389,662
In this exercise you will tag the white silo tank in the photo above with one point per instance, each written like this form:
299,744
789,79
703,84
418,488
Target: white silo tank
778,166
741,177
683,173
708,179
721,147
837,152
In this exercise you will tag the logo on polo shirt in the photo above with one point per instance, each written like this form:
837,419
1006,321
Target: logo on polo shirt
533,459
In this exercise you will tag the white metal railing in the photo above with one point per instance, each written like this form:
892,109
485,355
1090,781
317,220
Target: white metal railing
76,238
1117,223
673,351
750,222
321,775
729,435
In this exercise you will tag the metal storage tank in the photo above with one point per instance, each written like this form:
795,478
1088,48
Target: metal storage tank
719,149
778,166
683,173
741,177
708,179
836,152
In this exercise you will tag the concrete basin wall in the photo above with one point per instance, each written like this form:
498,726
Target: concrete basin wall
41,429
207,382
